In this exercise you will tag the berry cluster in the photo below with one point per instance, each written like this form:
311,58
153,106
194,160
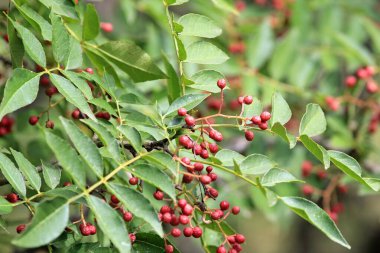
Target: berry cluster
6,124
366,74
326,187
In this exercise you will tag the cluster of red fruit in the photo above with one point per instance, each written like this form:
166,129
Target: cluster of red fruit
87,229
308,190
366,74
6,124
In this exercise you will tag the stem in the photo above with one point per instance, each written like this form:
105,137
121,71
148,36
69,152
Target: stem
176,46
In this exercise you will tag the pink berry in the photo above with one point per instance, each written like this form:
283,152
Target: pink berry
256,120
263,125
127,216
20,228
89,70
190,121
240,238
197,232
106,27
182,112
213,147
307,190
182,203
205,179
235,210
248,100
169,249
159,195
221,83
187,209
265,116
350,81
198,166
176,232
188,231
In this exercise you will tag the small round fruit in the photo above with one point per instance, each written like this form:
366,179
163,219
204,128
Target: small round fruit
249,135
263,125
240,238
159,195
265,116
169,249
248,100
33,120
350,81
20,228
106,27
127,216
256,120
235,210
133,180
190,121
188,231
224,205
197,232
176,232
89,70
182,112
221,83
205,179
114,199
12,197
49,124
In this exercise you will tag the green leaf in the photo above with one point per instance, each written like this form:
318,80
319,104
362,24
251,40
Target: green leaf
202,52
85,146
150,243
90,23
280,130
354,48
111,223
277,176
174,85
60,40
137,204
103,104
260,45
67,158
73,59
81,84
5,206
280,110
227,157
21,89
31,44
132,136
206,80
12,175
225,6
176,2
317,217
163,159
154,176
3,225
28,170
52,175
36,21
106,138
49,222
313,122
199,26
253,109
188,102
72,94
182,55
256,164
61,7
131,59
317,150
351,167
16,47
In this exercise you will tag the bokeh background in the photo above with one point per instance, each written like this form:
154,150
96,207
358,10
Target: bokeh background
302,48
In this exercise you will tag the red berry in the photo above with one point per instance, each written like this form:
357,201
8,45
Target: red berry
221,249
306,168
76,114
221,83
224,205
263,125
240,238
241,100
92,229
182,203
307,190
133,180
213,147
159,195
114,199
188,231
197,232
321,174
190,121
232,251
197,149
51,91
186,160
213,193
167,217
217,214
49,124
176,232
187,209
33,120
65,184
106,27
265,116
12,197
231,239
20,228
332,103
174,221
371,86
235,210
183,140
213,176
256,120
209,169
198,166
342,188
249,135
248,100
333,216
44,80
218,136
89,70
182,112
183,219
350,81
337,207
362,73
127,216
370,70
169,249
237,247
132,237
165,209
6,38
205,179
85,230
187,179
204,154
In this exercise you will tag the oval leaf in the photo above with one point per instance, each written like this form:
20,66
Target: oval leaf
199,26
136,203
317,150
317,217
49,222
280,110
206,80
12,174
313,122
256,164
85,146
202,52
188,102
28,170
277,176
20,90
52,175
90,23
111,223
132,136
